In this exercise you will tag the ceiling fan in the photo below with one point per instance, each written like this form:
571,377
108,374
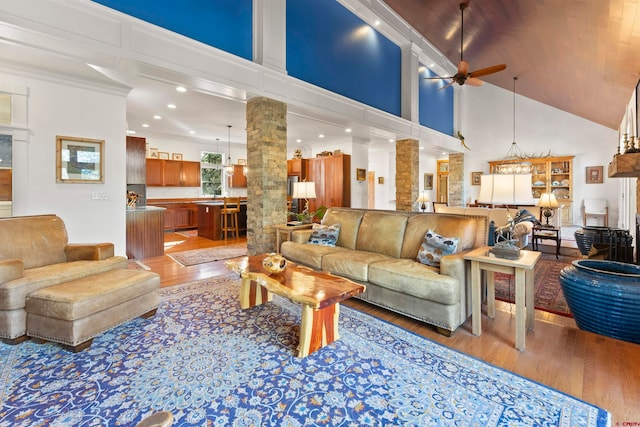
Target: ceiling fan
463,76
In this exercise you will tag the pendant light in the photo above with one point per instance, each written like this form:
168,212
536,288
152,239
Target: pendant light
514,151
228,168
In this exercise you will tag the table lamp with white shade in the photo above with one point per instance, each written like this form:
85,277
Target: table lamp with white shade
304,190
548,203
423,198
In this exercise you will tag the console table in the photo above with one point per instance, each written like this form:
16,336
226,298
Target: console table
541,232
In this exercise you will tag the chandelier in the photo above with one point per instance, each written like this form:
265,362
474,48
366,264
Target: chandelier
514,153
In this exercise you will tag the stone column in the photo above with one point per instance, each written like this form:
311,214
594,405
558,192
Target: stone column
407,182
267,176
456,179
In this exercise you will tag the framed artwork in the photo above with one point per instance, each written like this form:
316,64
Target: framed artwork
428,181
153,153
361,174
380,180
242,161
163,155
176,156
79,160
594,174
475,178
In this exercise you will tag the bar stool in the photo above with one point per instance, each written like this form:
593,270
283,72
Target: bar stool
229,214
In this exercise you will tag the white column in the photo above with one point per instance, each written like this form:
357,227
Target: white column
409,83
270,34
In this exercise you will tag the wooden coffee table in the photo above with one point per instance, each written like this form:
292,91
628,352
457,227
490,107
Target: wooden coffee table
318,292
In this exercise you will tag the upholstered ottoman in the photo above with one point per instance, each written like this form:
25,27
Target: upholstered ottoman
74,312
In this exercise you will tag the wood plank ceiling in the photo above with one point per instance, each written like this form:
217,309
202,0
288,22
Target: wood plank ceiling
580,56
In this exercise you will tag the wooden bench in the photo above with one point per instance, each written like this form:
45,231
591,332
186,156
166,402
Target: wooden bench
73,313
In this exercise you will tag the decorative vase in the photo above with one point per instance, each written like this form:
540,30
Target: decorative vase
274,263
604,297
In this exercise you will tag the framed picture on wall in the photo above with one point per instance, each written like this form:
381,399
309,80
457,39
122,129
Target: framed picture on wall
163,155
176,156
476,178
428,181
594,174
361,174
79,160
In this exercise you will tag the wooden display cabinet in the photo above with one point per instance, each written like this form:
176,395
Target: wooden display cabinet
550,175
332,175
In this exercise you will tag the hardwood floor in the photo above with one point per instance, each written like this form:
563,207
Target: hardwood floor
594,368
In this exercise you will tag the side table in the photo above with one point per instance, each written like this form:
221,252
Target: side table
286,230
522,268
546,233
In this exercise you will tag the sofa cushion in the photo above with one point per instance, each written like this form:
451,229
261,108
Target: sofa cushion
349,220
435,247
352,265
309,255
412,278
13,293
382,232
326,235
464,228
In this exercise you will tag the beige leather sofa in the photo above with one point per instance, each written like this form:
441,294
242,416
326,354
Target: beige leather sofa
500,217
34,254
379,249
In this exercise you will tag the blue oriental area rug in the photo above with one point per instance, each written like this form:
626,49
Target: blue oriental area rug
211,363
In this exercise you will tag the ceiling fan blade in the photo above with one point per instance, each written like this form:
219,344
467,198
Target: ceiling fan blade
447,85
463,67
488,70
472,81
437,78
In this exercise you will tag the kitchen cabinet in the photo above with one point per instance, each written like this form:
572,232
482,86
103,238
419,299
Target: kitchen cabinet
294,167
190,174
172,173
550,175
136,166
332,176
177,214
238,180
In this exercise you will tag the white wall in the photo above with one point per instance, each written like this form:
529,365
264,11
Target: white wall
540,129
67,108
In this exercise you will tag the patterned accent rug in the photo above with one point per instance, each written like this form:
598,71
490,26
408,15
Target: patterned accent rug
188,233
548,294
200,256
211,363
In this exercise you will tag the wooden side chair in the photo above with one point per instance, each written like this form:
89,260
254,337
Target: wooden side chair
229,215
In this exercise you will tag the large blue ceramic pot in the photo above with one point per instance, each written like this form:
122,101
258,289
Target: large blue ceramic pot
604,297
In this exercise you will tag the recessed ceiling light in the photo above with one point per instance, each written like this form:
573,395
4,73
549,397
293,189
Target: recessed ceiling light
172,106
181,89
145,125
377,22
348,130
392,140
422,148
321,136
131,132
157,117
298,140
192,132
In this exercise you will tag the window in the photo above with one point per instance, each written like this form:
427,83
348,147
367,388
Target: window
211,170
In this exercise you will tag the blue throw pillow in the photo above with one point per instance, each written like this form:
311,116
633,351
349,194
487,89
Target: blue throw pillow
325,235
435,247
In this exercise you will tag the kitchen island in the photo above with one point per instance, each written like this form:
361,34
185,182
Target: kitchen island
210,221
